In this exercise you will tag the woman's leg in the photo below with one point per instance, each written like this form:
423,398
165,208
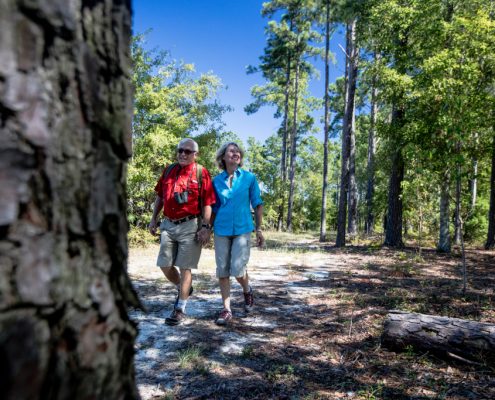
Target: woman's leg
223,250
241,248
225,291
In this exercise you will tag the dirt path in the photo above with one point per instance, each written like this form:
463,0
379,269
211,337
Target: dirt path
314,332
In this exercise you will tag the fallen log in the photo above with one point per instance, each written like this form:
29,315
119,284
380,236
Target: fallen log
448,337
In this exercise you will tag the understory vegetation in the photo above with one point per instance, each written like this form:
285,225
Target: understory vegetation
408,130
316,330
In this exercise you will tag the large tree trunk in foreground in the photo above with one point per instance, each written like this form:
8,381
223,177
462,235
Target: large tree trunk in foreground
440,335
65,104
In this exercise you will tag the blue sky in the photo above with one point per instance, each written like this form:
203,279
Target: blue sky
221,36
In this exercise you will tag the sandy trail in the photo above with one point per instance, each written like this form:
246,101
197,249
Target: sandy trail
280,282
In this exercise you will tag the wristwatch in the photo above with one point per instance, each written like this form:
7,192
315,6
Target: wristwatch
207,226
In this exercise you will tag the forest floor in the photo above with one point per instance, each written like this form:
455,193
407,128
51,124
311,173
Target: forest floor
315,331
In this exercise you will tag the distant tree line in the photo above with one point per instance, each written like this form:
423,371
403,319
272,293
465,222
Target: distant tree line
409,143
414,113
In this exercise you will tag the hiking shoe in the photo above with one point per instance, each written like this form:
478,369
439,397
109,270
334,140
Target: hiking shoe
224,317
248,300
176,303
177,317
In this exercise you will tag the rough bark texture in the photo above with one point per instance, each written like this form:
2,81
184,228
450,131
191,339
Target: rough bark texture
66,107
393,232
470,340
393,227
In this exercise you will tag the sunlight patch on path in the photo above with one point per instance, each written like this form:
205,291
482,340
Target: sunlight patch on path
281,286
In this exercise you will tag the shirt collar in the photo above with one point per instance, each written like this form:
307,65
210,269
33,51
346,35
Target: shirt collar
187,168
237,172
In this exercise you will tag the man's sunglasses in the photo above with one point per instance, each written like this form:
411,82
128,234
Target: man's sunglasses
186,151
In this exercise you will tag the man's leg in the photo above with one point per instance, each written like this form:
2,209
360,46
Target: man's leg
185,284
168,253
188,253
171,274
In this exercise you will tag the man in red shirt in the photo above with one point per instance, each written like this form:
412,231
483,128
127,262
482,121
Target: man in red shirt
186,205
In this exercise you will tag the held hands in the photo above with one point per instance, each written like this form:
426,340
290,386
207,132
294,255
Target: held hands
204,236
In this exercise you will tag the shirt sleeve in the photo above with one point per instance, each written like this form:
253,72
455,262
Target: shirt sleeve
207,192
216,206
159,185
254,193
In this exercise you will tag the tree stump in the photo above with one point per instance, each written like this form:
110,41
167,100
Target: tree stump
451,337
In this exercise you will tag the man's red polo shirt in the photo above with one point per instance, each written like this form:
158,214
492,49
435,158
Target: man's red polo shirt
181,179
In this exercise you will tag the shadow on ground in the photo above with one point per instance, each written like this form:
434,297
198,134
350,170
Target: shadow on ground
315,332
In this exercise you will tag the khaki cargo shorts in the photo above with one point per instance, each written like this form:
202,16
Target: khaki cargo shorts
178,245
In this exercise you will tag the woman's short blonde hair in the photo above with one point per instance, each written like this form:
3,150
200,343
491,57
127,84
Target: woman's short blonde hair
221,154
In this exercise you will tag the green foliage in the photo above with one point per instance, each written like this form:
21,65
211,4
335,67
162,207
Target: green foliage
138,237
436,65
171,102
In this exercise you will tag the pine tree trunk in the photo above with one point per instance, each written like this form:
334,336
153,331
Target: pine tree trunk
344,180
444,235
344,173
283,164
370,168
457,214
66,111
393,232
351,116
490,239
292,172
285,138
324,188
473,185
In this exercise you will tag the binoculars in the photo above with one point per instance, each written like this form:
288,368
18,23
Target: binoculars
181,197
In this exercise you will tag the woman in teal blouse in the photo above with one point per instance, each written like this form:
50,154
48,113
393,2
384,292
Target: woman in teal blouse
236,191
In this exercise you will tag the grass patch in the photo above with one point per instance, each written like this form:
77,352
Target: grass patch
247,352
279,373
190,356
